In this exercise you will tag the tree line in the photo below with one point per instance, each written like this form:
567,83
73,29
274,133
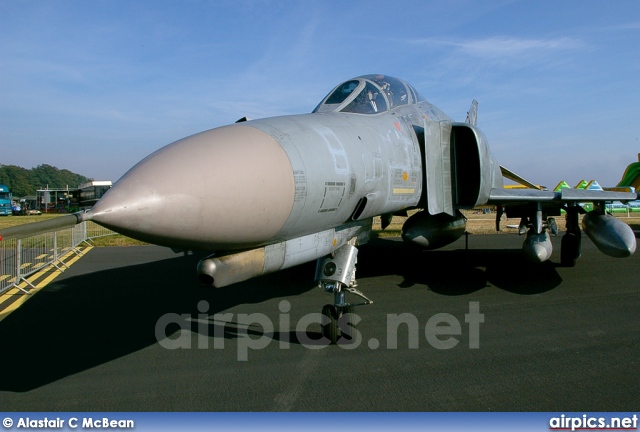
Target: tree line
23,182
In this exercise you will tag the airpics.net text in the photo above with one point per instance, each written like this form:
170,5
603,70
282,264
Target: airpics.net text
256,331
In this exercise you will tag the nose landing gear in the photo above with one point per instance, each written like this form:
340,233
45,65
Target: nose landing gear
337,274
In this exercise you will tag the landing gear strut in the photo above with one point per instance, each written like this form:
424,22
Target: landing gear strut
571,247
337,274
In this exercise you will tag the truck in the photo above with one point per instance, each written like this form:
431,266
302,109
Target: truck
5,201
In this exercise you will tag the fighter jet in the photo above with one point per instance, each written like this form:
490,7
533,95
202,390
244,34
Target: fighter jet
268,194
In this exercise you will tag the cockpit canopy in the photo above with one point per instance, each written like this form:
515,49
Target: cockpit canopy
369,94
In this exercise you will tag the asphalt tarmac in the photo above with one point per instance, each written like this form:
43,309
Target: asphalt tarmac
514,336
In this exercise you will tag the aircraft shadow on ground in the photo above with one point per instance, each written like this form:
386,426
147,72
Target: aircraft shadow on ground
88,320
84,321
457,272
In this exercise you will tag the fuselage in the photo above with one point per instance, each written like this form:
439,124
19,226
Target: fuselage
265,181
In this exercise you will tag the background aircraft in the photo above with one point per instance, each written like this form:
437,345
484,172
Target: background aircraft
630,182
631,176
269,194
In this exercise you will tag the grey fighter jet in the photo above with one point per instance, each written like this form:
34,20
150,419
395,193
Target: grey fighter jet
268,194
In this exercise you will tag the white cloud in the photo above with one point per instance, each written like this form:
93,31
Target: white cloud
503,47
628,26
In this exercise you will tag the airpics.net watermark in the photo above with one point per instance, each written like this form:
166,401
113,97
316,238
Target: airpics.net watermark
256,331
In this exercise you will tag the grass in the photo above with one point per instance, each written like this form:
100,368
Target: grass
9,221
108,240
477,223
116,240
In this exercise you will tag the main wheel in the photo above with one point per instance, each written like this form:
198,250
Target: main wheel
570,249
347,324
330,330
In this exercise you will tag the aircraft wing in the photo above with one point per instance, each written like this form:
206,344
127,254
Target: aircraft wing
518,196
611,235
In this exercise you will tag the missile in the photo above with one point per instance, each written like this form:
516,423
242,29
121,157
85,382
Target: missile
228,269
433,231
220,271
610,235
537,247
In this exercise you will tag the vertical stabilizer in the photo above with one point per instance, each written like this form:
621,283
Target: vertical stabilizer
631,176
472,115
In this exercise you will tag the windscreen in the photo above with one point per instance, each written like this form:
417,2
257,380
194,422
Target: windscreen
343,91
369,94
369,101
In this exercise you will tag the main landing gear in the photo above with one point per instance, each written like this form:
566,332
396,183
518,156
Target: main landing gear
537,226
571,247
337,274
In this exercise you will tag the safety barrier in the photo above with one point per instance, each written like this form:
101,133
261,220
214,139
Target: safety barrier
22,257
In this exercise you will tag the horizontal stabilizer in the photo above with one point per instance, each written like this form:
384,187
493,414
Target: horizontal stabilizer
506,173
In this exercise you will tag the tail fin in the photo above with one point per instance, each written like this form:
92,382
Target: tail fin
472,115
631,176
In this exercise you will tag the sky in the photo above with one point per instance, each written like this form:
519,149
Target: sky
95,86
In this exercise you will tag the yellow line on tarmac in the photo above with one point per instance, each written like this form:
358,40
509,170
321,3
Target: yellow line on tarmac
6,296
54,273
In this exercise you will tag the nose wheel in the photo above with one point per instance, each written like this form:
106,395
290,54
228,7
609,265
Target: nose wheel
340,320
330,329
336,274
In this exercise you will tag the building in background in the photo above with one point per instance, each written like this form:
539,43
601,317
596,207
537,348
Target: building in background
89,193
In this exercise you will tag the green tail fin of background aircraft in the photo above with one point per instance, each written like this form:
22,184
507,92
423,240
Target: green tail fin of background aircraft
631,176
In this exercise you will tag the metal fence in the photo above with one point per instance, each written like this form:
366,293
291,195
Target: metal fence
22,257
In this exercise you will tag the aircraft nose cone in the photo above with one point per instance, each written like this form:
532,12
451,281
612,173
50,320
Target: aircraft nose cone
226,188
